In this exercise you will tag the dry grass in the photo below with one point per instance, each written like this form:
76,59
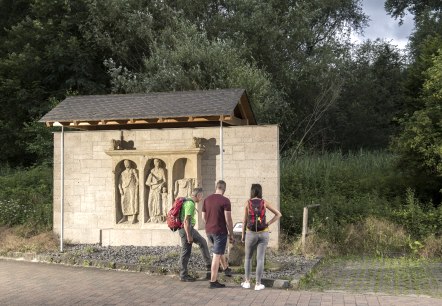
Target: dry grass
13,240
317,246
432,247
372,236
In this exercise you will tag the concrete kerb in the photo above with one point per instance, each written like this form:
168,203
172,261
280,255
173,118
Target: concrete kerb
72,261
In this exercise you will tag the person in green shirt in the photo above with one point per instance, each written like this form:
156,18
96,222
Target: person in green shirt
189,236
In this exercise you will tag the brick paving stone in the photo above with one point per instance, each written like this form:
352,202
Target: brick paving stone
25,283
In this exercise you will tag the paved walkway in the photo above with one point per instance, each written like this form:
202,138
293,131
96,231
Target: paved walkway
27,283
391,276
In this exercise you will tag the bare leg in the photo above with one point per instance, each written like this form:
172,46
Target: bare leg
223,262
215,267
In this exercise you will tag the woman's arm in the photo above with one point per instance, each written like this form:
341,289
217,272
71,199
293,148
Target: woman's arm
277,213
244,222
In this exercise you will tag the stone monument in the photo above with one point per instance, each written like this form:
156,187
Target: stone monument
127,157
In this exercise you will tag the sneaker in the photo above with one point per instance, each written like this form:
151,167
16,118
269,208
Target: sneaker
245,285
187,278
259,287
228,272
216,284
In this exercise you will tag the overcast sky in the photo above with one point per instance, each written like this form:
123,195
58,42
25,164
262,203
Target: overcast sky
382,25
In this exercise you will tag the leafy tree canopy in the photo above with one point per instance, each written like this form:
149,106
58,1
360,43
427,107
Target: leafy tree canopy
398,8
420,143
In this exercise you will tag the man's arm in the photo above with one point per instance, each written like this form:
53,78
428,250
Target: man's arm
187,228
228,216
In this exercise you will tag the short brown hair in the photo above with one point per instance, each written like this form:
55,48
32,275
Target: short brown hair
196,191
221,185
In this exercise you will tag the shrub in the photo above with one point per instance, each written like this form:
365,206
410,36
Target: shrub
432,247
348,187
371,236
420,220
375,236
26,197
315,245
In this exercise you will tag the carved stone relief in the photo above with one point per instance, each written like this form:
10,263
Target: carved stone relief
183,187
156,180
166,174
128,189
165,201
197,142
121,144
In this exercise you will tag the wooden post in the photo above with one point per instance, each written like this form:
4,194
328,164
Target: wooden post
305,224
304,227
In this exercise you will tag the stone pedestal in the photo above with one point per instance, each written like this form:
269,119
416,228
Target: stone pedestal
236,251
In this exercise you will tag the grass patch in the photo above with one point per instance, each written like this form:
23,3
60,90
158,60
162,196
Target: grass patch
401,275
12,240
147,260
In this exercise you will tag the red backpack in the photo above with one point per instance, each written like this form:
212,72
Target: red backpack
173,216
256,220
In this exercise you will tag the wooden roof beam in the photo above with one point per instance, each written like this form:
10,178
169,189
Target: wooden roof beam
234,120
246,114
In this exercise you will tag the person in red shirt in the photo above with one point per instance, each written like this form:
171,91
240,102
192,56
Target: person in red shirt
218,218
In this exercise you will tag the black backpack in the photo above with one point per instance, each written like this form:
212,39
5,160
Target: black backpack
256,220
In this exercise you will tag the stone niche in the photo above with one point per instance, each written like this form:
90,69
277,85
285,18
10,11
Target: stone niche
147,182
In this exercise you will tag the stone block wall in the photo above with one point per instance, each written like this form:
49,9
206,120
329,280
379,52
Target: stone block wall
251,155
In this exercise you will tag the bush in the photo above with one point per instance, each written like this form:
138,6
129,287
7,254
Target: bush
348,188
26,197
371,236
432,247
420,220
357,193
375,236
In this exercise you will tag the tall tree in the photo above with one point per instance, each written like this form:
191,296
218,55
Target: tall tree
420,143
301,44
184,59
43,55
419,8
371,98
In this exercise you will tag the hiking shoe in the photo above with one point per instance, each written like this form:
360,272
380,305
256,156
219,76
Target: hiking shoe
245,285
187,278
215,284
228,272
259,287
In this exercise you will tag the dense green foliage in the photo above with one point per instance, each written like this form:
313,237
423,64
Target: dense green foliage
347,186
299,67
351,188
294,58
419,141
26,197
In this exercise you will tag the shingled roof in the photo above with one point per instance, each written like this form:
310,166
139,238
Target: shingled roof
179,108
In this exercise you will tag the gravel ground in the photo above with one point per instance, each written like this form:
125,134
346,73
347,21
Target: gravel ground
283,265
